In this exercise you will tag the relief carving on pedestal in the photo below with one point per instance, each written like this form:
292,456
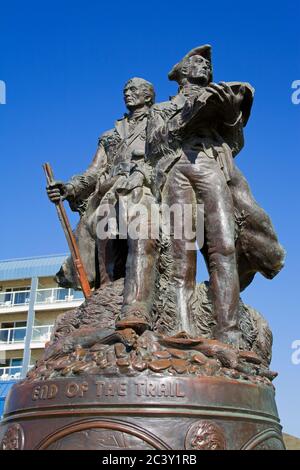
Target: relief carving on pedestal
13,438
205,435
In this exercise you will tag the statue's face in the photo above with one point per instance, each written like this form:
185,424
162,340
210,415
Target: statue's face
196,67
199,441
134,95
206,438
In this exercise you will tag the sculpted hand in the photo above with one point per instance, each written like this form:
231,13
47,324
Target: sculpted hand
58,191
226,101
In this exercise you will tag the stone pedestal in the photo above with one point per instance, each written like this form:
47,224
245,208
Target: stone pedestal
141,412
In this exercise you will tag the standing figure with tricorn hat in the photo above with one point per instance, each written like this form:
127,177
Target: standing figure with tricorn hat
191,142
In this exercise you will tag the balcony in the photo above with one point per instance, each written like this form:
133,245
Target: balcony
57,294
56,297
11,372
10,299
14,338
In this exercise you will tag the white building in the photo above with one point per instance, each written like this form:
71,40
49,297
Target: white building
30,301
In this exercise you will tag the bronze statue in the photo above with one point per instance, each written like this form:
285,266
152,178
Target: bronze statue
194,138
176,152
153,360
117,172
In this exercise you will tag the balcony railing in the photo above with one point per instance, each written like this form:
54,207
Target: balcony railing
43,296
40,334
9,299
57,294
11,372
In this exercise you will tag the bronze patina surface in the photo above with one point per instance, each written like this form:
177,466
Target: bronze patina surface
151,359
142,412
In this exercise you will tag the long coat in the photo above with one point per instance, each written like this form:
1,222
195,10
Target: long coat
173,123
108,173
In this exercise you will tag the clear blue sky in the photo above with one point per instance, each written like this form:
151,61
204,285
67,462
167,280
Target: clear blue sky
65,63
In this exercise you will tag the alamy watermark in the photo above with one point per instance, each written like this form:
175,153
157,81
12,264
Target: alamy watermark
296,353
2,92
296,93
151,222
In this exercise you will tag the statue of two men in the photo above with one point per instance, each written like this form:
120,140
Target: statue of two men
178,152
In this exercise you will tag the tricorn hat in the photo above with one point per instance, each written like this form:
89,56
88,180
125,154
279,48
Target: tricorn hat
203,51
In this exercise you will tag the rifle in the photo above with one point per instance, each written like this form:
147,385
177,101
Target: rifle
63,218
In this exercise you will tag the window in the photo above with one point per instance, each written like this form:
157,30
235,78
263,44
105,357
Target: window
12,332
11,366
62,294
4,363
16,361
17,295
19,333
15,366
5,333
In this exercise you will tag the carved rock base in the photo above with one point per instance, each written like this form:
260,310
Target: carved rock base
142,412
